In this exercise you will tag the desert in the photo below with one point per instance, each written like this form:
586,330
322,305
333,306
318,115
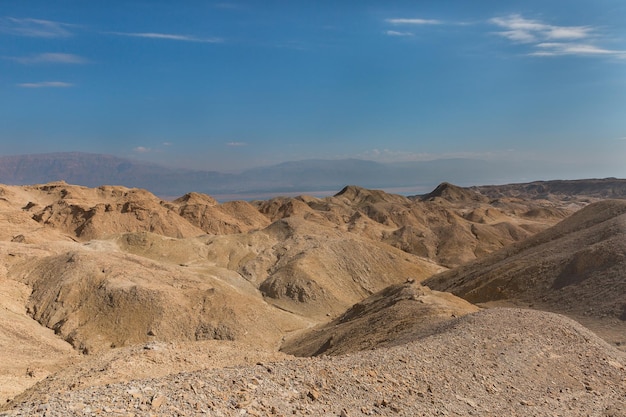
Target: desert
312,208
494,300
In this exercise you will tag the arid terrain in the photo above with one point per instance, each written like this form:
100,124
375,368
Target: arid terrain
491,301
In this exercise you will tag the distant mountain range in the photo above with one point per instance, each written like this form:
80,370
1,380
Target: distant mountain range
315,175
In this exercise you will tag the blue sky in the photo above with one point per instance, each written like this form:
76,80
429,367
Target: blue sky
232,85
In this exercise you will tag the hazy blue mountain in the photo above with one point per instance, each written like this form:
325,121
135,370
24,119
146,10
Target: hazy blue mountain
312,175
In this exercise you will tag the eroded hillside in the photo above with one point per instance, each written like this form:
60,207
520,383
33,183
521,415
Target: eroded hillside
111,268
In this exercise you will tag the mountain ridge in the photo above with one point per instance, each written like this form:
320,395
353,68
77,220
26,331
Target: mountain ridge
306,176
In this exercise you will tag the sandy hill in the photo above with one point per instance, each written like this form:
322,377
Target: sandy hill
454,193
493,363
393,316
452,230
206,213
576,267
116,268
88,213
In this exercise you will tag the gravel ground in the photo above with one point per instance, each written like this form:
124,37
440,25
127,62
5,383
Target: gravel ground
497,362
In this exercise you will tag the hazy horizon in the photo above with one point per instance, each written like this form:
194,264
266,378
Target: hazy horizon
228,86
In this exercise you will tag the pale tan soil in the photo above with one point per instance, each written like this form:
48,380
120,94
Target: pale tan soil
610,329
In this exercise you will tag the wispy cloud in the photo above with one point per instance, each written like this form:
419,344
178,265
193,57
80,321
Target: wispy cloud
142,149
49,58
413,21
168,36
559,48
396,33
236,144
36,28
520,29
552,40
46,84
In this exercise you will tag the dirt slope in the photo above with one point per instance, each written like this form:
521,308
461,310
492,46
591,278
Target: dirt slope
577,267
450,226
492,363
393,316
91,213
206,213
96,298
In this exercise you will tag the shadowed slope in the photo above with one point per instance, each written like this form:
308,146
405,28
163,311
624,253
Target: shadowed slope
577,266
395,315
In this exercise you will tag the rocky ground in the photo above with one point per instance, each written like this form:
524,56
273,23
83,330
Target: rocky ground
492,363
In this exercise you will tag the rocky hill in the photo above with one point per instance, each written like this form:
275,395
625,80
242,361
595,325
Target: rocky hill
132,280
577,267
559,189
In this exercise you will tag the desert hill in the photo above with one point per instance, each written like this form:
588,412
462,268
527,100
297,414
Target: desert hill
576,267
119,268
559,189
449,231
393,316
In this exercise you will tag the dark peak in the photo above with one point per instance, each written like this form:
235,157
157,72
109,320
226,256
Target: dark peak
359,195
196,198
352,191
453,192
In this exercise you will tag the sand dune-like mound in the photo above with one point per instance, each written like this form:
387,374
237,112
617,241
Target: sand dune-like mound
91,213
97,299
452,230
454,193
312,270
395,315
207,214
576,267
495,362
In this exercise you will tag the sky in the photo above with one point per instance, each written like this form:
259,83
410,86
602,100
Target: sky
230,85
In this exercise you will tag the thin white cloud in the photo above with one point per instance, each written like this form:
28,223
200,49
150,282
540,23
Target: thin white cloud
521,29
559,48
552,40
46,84
168,36
50,58
35,28
142,149
236,144
413,21
396,33
569,32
